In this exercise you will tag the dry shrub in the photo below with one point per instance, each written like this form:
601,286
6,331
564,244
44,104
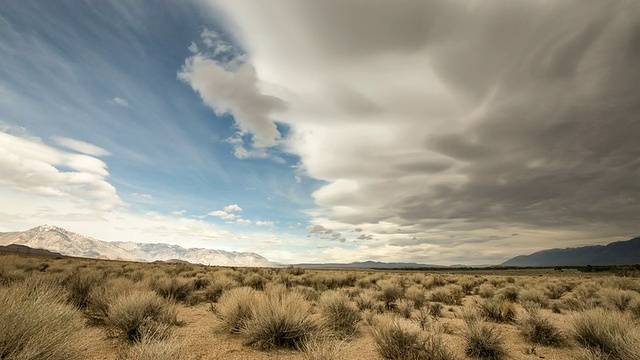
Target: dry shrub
80,283
578,304
280,319
509,293
36,323
217,287
322,348
234,308
340,315
397,339
404,307
436,281
155,349
417,295
616,299
255,281
482,340
534,296
609,332
486,290
450,295
435,309
623,283
140,315
634,308
538,329
174,288
497,310
468,285
366,299
101,297
390,291
556,290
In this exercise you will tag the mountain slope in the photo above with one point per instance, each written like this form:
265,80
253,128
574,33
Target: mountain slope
616,253
68,243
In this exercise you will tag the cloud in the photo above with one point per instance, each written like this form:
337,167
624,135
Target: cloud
264,223
243,221
80,146
227,84
318,229
447,117
119,101
141,196
223,215
233,208
30,166
179,212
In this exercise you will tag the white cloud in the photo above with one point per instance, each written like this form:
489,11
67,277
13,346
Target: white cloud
28,165
120,102
80,146
233,208
141,196
179,212
223,215
264,223
235,91
243,221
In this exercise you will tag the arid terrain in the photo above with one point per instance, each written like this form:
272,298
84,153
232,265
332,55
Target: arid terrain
71,308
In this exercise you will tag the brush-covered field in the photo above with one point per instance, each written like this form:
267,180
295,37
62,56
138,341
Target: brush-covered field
64,308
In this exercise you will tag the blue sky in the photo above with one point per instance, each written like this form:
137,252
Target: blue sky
323,131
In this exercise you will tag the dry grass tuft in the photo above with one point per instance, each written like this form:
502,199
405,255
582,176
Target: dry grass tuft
340,315
482,340
174,288
538,329
398,338
234,308
37,323
155,349
280,320
322,348
497,310
609,332
140,315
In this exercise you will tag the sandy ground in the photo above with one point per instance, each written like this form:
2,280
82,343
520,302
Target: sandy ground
202,341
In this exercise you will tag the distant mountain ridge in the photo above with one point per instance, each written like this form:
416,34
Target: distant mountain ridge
68,243
616,253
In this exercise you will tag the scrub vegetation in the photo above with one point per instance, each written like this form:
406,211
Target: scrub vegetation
70,308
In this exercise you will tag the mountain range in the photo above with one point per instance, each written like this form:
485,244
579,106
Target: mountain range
68,243
616,253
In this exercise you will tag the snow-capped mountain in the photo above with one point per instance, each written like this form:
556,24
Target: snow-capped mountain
65,242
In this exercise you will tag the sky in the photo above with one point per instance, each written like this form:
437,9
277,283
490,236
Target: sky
438,132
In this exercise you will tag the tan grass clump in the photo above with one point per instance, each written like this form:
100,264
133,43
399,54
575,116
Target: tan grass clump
322,348
280,319
482,340
450,294
155,349
398,338
538,329
140,315
234,308
80,283
36,323
340,314
608,332
173,288
390,291
497,310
